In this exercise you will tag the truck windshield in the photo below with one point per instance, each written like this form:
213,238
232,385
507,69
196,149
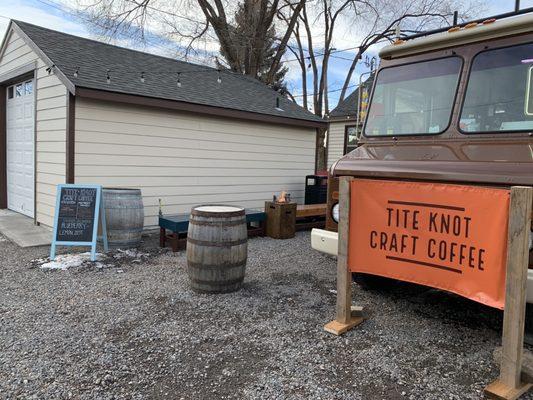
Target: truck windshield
414,99
499,96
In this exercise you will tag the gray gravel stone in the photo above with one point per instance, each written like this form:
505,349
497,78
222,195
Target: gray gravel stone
137,331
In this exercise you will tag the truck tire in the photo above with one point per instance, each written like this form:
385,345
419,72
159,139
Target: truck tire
372,282
528,331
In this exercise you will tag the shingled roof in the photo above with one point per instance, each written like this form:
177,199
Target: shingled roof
348,107
85,63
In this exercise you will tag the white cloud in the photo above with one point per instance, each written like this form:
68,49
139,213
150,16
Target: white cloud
53,18
21,10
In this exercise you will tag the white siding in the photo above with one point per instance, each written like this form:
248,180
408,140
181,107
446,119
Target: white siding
188,159
335,141
50,125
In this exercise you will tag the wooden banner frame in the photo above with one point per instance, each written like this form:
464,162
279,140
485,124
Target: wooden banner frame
344,320
509,385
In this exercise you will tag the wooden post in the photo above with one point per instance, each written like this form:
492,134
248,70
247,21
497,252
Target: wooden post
509,384
344,320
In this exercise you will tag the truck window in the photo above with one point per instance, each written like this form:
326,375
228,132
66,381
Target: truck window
498,95
414,99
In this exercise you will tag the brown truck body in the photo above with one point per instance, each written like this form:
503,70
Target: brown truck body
452,155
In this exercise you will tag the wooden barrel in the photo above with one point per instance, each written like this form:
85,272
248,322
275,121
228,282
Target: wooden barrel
124,212
217,248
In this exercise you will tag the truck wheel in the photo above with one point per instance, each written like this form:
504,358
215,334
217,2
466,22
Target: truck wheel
528,331
372,282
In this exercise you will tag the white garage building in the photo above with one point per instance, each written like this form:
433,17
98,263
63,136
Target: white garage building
74,110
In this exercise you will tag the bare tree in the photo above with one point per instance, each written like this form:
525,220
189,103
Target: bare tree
213,17
373,21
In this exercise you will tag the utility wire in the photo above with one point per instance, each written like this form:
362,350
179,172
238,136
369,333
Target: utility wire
144,76
68,10
178,73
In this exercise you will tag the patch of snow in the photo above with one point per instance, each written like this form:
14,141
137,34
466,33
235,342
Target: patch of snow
66,261
130,253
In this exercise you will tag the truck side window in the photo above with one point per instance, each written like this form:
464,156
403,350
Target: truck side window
498,94
414,99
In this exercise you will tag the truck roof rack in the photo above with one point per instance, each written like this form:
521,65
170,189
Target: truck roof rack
509,14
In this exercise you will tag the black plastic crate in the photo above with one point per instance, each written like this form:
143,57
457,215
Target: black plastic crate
316,189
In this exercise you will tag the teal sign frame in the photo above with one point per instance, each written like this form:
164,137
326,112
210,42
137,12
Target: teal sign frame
99,216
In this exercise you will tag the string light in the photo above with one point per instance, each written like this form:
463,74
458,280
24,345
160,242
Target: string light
178,83
278,105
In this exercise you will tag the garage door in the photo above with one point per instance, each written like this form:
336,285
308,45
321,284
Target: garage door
20,147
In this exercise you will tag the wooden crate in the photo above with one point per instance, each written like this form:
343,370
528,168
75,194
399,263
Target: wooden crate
280,220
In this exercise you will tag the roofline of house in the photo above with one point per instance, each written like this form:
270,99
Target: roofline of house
193,107
61,76
157,102
343,118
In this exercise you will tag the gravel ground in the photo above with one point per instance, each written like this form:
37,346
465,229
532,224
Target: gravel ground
136,331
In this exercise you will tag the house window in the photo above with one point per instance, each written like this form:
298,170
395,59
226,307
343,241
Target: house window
351,134
10,92
28,87
18,90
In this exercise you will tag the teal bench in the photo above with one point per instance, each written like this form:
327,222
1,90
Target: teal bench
173,228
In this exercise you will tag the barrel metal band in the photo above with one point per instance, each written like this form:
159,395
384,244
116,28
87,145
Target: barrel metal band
196,265
217,244
217,223
110,231
221,284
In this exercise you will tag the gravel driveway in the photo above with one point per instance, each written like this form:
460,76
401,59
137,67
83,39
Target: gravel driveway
136,331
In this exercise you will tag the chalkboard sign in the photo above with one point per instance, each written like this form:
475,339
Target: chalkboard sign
78,210
77,207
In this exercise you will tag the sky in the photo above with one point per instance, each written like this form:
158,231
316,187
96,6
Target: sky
52,14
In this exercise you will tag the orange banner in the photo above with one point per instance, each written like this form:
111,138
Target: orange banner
450,237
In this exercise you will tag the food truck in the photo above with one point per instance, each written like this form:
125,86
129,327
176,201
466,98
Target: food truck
449,125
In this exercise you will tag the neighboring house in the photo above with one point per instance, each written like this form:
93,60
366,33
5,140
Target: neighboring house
75,110
343,126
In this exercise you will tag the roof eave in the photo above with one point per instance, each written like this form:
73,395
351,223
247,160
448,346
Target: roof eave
61,76
3,45
105,95
342,118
